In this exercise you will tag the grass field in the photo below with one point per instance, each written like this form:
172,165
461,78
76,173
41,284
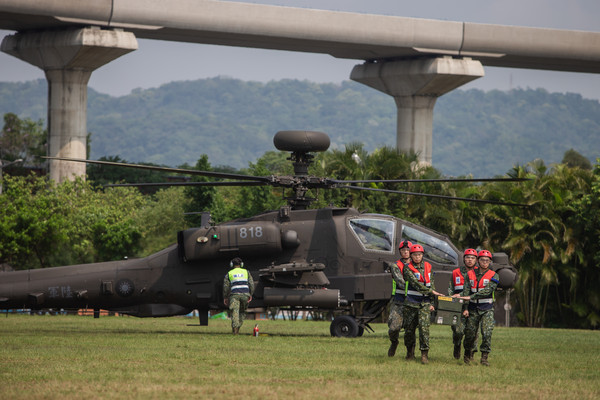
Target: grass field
71,357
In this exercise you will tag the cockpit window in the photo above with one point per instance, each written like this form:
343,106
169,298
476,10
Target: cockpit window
436,250
374,234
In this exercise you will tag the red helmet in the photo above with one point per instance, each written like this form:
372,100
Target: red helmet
485,253
470,252
405,243
416,248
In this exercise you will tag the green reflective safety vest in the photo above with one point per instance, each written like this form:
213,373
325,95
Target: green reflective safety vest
239,280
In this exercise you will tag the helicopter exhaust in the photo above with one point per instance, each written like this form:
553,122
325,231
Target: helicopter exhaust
320,298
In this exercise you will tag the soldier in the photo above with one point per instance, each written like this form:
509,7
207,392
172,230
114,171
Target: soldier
455,289
419,291
395,318
479,290
238,287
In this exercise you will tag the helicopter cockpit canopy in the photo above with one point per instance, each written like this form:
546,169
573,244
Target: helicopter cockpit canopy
374,234
436,249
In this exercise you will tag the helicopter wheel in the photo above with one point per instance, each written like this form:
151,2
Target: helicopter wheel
344,326
361,330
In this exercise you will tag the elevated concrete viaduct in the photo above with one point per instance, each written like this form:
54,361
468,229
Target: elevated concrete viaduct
413,60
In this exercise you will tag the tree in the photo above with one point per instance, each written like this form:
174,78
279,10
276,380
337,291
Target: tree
44,224
22,139
574,159
108,174
200,197
542,239
584,299
161,218
103,225
252,200
30,226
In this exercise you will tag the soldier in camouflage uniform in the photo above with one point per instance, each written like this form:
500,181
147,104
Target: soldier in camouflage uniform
479,290
238,287
395,318
419,291
457,284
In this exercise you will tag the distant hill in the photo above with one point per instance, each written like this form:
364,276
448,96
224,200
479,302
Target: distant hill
233,122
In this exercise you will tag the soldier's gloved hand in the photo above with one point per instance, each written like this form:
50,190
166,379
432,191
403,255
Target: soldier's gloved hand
388,266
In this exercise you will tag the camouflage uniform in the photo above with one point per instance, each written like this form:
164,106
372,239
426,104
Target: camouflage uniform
238,302
395,317
458,331
480,315
417,314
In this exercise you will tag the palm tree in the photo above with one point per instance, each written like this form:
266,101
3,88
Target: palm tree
540,238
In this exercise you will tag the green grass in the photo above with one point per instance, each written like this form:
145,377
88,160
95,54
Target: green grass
68,357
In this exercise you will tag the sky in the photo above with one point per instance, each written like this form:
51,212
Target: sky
159,62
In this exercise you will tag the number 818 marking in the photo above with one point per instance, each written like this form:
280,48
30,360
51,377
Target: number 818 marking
251,232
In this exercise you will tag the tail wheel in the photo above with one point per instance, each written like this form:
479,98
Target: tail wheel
344,326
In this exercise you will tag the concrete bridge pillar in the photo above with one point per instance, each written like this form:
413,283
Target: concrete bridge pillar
416,85
68,58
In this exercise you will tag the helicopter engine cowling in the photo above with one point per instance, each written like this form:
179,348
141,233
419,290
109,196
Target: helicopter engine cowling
244,239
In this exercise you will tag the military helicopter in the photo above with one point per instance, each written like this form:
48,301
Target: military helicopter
331,259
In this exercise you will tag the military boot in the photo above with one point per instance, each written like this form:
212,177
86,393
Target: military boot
457,351
484,359
410,352
468,356
392,349
424,357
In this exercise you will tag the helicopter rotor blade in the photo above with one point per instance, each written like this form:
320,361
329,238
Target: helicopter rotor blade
223,183
438,196
212,174
432,180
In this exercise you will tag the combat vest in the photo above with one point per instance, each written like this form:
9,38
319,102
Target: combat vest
239,280
411,293
398,294
486,303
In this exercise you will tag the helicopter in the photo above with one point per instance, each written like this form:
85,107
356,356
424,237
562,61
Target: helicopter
333,259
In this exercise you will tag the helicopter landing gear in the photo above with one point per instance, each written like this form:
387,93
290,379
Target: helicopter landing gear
345,326
361,330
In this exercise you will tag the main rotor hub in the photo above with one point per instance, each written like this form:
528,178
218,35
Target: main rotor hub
301,143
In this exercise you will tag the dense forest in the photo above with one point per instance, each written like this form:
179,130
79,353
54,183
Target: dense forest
233,122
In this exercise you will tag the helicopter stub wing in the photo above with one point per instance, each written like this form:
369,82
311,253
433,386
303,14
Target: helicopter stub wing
295,275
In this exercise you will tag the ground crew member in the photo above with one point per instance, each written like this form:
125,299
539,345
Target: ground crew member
479,290
418,305
398,283
238,287
456,287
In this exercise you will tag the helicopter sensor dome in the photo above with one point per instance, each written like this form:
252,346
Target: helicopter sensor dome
302,141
